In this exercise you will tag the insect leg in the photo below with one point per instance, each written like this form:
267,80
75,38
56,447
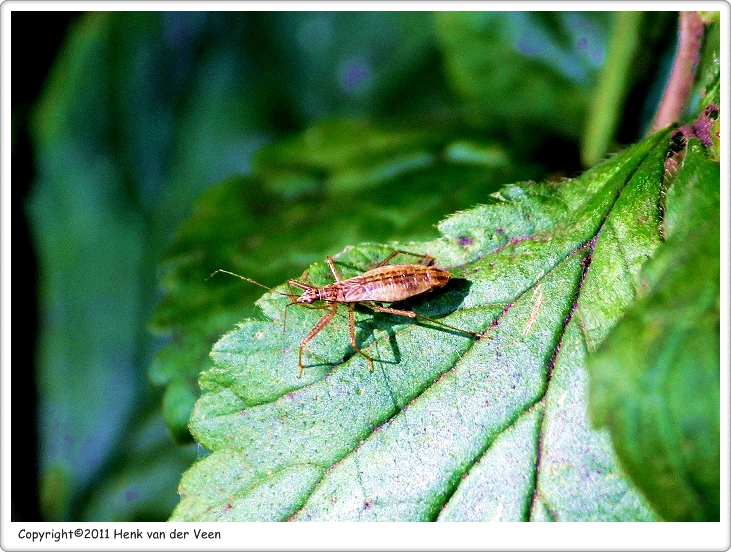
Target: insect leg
298,284
334,270
351,334
379,308
412,314
324,321
428,258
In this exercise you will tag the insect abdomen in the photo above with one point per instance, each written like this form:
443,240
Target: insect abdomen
391,283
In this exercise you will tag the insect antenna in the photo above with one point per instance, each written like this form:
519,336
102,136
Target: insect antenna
247,279
292,297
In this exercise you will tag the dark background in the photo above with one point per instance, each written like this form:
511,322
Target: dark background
36,38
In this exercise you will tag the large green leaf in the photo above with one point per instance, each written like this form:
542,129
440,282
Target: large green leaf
546,270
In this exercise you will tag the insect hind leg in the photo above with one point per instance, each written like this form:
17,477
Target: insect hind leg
413,315
430,261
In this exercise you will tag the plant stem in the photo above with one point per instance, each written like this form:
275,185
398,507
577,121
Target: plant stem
606,106
678,89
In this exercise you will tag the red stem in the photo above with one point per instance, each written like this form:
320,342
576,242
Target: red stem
681,78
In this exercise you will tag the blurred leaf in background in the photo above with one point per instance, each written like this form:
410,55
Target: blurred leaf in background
27,81
275,139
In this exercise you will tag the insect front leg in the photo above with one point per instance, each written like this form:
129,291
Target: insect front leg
334,270
322,323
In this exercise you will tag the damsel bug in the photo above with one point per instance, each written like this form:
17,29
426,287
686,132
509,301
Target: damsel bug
382,284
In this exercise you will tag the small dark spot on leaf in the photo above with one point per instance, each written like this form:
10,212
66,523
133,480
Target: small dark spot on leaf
464,241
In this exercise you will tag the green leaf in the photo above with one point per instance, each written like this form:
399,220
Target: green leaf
546,270
706,88
656,380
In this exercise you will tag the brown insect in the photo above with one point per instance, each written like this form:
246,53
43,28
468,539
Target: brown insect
382,284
